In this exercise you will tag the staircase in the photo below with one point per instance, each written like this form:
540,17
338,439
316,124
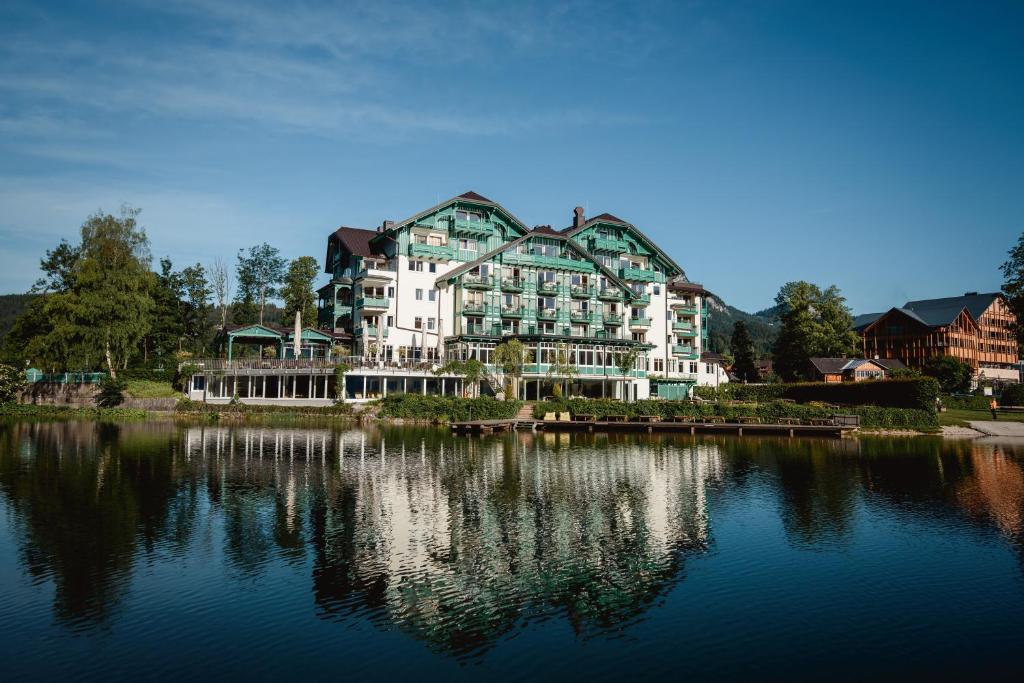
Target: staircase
524,418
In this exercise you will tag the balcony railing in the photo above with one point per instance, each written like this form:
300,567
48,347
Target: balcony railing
685,332
511,284
547,287
377,270
579,316
476,281
371,332
581,291
610,294
640,275
465,227
684,308
612,318
547,313
512,311
681,350
608,244
439,251
639,322
682,326
372,302
473,308
642,299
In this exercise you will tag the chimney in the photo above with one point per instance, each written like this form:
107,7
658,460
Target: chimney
578,218
385,226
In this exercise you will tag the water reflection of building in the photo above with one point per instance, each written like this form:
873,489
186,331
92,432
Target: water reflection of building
997,488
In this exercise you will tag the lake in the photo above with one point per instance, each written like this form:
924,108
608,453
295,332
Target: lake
162,551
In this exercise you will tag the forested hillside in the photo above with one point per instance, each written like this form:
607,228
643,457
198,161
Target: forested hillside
762,326
11,306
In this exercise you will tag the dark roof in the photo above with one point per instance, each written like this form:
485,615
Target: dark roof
546,230
830,366
889,363
864,319
949,308
712,357
474,197
357,240
608,217
678,284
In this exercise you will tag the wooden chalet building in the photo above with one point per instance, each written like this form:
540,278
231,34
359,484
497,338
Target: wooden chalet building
978,329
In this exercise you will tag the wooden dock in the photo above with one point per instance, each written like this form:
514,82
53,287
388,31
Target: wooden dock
735,428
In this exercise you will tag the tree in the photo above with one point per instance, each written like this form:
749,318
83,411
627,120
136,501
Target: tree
11,382
298,290
814,323
168,327
625,361
57,268
472,371
953,374
220,279
260,272
106,308
745,365
196,307
510,357
562,369
1013,285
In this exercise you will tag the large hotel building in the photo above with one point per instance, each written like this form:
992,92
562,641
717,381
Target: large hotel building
459,278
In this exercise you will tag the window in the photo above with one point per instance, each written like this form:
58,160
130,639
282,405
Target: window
418,323
639,336
467,244
693,368
659,365
474,216
657,290
431,322
412,265
391,292
391,321
432,294
668,315
433,267
419,295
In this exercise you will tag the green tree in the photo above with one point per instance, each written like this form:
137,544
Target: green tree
953,374
1013,286
510,357
168,325
744,365
472,371
259,274
563,369
105,312
196,309
814,323
11,381
298,290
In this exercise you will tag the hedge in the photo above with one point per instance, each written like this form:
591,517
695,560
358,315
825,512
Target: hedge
966,402
447,408
186,405
1013,395
30,411
912,392
871,417
151,374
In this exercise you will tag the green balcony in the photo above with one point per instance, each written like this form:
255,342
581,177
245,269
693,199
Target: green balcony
639,322
685,332
512,311
547,287
613,319
554,262
641,275
682,326
430,251
641,299
473,308
682,350
547,314
371,332
684,309
372,303
579,316
471,281
511,284
608,244
581,291
610,294
464,227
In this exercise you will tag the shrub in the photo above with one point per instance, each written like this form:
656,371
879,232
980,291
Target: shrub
872,417
953,374
151,374
1013,395
11,382
447,408
966,402
914,392
111,392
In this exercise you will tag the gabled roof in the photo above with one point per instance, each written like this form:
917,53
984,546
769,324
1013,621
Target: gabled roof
455,272
609,218
830,366
889,363
357,240
975,303
861,321
469,196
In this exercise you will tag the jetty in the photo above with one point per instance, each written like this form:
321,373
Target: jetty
836,427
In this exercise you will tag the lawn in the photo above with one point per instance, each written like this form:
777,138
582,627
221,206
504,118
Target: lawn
144,388
958,417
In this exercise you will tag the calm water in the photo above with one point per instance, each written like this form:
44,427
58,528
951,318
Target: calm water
163,551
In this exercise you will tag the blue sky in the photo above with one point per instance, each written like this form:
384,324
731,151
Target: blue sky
876,146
